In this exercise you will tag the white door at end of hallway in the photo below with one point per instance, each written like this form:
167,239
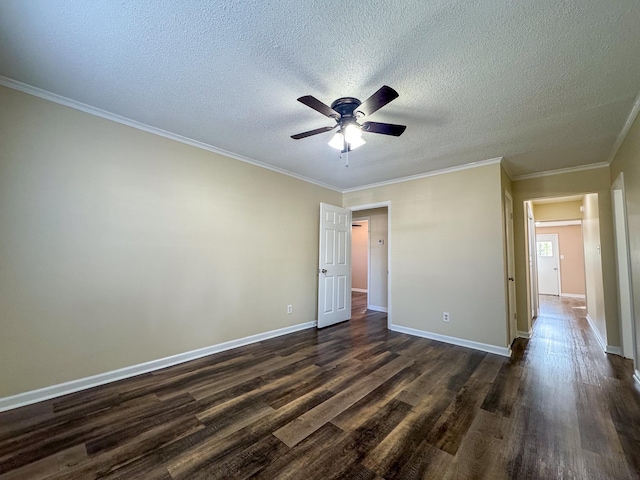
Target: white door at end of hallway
334,283
548,260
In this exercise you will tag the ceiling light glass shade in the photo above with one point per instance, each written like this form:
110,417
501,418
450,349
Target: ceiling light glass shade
357,142
352,133
337,141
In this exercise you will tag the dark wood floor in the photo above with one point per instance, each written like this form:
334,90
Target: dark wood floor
353,401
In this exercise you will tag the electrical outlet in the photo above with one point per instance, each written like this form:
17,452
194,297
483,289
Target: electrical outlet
289,308
445,317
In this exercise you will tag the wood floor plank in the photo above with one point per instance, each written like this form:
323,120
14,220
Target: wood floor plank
395,450
312,449
481,453
209,448
344,459
107,461
366,407
49,466
43,443
452,426
303,426
503,393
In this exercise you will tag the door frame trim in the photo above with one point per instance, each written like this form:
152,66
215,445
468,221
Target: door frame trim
532,262
387,204
618,185
512,303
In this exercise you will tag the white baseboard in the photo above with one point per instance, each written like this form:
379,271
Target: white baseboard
485,347
361,290
375,308
522,334
53,391
573,295
596,333
614,350
636,377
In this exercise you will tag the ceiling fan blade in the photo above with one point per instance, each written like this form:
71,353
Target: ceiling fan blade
312,132
318,106
384,128
378,100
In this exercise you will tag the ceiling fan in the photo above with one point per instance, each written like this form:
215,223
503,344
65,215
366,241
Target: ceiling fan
346,111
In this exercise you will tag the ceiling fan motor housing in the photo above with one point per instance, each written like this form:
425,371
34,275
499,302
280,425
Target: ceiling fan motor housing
346,107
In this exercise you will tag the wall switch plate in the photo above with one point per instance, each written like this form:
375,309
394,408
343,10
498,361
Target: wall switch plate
445,317
289,308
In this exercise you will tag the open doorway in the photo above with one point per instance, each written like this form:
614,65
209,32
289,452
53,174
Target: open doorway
370,258
559,247
568,262
359,264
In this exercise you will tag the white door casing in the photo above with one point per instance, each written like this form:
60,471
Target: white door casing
334,270
624,278
533,265
511,275
548,260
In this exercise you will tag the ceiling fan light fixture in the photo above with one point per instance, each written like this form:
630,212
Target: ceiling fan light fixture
346,111
337,142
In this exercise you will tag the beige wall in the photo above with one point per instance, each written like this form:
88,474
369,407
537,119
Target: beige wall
360,255
571,251
119,247
446,252
548,212
593,262
567,184
627,160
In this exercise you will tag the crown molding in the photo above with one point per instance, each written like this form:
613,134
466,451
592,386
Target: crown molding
434,173
625,130
83,107
507,169
560,171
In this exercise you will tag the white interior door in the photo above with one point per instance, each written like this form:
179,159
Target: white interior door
548,264
334,283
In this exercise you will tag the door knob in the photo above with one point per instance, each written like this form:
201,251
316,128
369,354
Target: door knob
511,279
324,270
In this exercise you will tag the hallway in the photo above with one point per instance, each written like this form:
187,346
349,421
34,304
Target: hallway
579,406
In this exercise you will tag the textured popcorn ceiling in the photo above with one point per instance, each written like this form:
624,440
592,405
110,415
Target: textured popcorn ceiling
546,84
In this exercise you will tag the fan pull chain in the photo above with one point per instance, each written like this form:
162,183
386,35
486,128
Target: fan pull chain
346,157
